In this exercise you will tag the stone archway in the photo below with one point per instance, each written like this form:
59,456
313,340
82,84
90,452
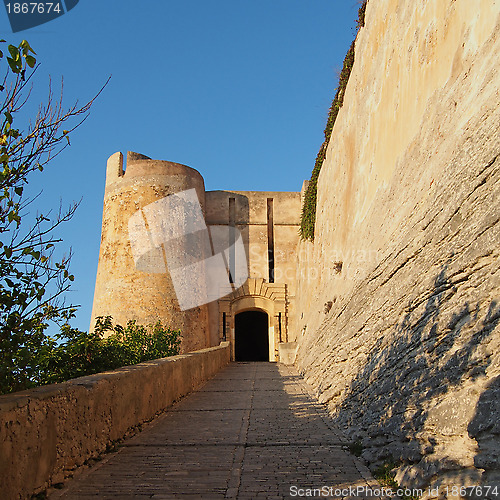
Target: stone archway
251,334
256,295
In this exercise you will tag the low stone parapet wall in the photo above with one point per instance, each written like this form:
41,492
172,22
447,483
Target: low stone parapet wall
48,431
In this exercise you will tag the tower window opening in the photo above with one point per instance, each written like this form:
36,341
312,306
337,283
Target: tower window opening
232,251
270,239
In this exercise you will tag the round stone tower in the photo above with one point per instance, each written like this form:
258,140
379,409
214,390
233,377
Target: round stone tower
143,247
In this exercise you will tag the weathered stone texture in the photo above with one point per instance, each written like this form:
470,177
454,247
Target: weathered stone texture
45,433
398,297
123,291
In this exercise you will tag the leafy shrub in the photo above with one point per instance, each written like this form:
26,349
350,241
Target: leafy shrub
83,353
73,353
385,476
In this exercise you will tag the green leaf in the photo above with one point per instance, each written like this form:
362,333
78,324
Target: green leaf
14,52
19,190
13,65
26,46
8,252
30,61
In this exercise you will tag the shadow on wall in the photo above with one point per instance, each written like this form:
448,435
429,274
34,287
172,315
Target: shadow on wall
413,402
232,209
240,217
485,429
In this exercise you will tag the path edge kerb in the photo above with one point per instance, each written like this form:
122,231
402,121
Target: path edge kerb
49,430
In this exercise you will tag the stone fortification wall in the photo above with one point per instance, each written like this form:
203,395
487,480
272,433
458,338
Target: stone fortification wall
259,215
399,295
124,291
253,215
47,432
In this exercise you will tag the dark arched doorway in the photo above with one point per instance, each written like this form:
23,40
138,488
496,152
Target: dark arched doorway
251,336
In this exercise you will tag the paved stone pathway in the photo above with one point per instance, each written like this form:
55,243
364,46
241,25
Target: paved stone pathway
253,431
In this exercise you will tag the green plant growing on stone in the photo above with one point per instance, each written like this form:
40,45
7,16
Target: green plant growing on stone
361,15
308,216
356,448
385,476
74,353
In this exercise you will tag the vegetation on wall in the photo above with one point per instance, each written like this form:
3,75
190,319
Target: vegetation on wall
73,353
308,216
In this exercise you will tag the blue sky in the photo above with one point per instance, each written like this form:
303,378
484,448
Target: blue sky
238,90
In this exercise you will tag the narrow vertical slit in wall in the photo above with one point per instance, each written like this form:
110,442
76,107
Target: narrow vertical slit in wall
232,251
270,239
279,326
223,327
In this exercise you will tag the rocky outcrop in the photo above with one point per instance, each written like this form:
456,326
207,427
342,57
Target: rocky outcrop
399,296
